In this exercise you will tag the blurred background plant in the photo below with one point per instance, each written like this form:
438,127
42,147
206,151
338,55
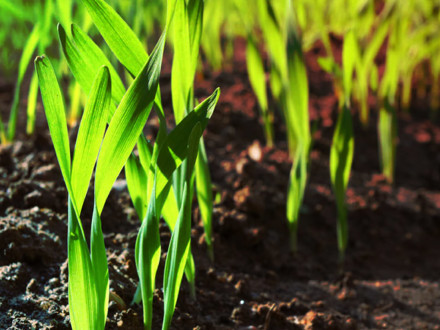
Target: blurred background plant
277,33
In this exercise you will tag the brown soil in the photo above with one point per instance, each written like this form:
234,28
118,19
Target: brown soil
390,276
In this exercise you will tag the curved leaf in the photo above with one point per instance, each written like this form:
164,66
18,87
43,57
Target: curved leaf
90,134
127,124
55,114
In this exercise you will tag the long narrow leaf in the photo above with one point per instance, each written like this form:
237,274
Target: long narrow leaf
118,35
148,257
100,269
204,195
180,240
90,134
83,299
137,184
28,51
32,104
85,59
257,78
127,124
55,114
172,156
341,157
96,57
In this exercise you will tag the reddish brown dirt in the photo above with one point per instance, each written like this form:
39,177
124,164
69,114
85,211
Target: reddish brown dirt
390,276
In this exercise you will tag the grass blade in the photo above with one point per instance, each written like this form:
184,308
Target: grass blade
387,129
90,134
179,248
171,156
145,152
257,78
83,300
204,195
341,157
95,56
85,58
295,194
148,257
28,51
137,184
32,104
350,55
127,124
100,269
118,35
55,114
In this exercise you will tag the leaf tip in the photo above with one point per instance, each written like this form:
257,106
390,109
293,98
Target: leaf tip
40,58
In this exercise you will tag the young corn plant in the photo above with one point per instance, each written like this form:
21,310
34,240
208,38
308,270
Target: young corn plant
154,169
257,78
189,129
365,69
387,121
289,84
215,15
88,298
298,125
341,157
141,172
187,26
341,152
84,56
88,272
255,67
37,39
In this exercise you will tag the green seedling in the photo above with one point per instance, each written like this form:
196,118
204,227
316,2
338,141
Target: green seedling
125,126
257,78
88,272
341,157
187,26
387,121
128,52
131,48
341,152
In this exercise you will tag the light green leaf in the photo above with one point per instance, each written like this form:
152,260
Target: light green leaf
65,11
204,195
297,95
127,124
83,299
179,248
257,78
295,193
181,79
145,152
118,35
350,54
387,129
55,114
32,104
26,56
175,149
341,157
85,58
100,269
96,57
148,257
137,184
90,134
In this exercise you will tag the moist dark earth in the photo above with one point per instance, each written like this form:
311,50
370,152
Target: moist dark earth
390,278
